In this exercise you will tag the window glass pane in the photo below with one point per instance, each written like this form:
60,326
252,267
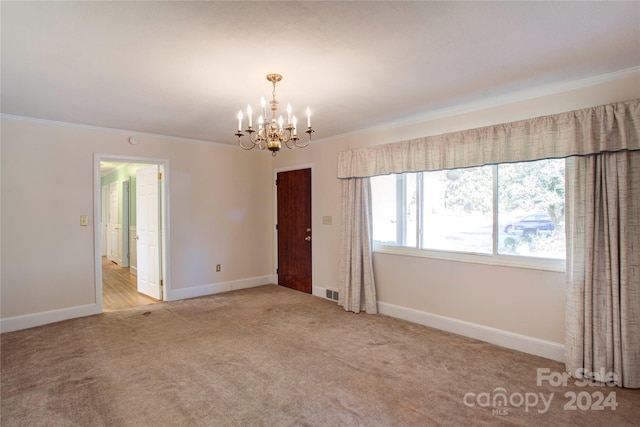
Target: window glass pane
384,205
531,209
457,210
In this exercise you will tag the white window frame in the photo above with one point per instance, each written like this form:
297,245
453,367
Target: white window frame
529,262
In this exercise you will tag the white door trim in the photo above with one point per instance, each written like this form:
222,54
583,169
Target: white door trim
164,209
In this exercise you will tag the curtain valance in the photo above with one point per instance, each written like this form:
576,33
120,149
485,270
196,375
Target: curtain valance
606,128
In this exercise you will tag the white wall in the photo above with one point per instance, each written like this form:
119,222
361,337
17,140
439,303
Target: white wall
220,213
525,304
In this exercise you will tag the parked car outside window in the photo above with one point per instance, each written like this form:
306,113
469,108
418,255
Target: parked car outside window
531,225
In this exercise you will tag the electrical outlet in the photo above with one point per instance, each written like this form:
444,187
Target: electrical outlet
218,267
84,220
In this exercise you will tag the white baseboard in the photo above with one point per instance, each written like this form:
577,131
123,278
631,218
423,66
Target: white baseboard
514,341
317,291
524,343
37,319
216,288
133,270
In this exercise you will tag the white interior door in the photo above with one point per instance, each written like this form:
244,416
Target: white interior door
148,231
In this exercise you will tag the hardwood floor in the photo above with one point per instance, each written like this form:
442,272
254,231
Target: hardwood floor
119,288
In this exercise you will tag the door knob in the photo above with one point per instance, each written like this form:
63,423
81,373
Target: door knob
137,237
308,238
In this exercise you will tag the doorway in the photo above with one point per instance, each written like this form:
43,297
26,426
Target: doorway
122,265
293,190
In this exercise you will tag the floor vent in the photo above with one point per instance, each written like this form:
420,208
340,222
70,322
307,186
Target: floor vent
333,295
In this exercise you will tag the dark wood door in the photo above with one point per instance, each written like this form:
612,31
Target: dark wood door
294,229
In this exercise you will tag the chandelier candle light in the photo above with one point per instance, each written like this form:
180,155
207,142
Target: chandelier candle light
273,134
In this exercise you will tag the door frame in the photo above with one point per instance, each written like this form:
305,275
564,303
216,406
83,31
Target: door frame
276,171
164,224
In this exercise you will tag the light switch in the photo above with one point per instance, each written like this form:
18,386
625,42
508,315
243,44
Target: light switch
327,220
84,220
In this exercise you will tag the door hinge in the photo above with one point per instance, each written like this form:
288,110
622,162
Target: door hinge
276,271
159,175
161,283
277,181
276,226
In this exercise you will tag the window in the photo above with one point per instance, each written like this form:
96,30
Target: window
500,211
457,210
531,209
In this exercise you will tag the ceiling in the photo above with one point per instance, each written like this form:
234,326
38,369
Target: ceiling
107,167
184,69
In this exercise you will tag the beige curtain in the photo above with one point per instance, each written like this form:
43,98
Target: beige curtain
603,267
357,285
612,127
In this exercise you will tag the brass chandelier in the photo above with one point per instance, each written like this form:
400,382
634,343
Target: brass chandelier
273,134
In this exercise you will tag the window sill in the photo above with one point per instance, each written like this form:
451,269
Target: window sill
545,264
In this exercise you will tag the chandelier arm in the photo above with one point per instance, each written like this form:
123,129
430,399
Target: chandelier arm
253,145
261,139
290,143
255,141
302,145
309,131
245,148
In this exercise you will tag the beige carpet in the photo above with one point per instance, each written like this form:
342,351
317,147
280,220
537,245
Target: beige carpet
270,356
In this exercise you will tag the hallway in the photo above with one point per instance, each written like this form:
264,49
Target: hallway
119,288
